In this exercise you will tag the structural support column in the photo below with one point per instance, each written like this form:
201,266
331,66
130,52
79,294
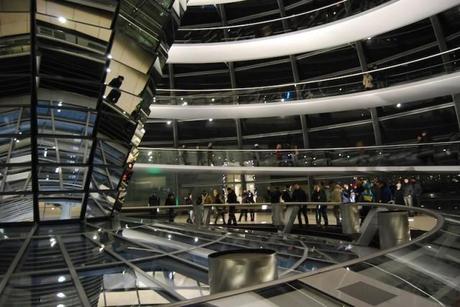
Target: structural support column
296,78
456,99
441,40
442,45
33,111
376,126
172,85
373,111
175,131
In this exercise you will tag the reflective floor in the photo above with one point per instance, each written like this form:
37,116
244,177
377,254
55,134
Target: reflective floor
136,262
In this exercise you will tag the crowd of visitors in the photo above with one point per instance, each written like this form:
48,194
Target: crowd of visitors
404,191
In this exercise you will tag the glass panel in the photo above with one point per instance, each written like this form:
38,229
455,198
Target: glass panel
120,286
63,150
42,254
60,206
16,208
42,290
51,178
83,252
9,249
15,179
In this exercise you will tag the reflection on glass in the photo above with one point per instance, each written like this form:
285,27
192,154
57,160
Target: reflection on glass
60,206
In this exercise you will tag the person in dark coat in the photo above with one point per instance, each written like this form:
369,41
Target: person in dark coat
154,200
299,196
250,200
399,195
170,201
220,212
231,199
319,196
244,212
115,93
275,196
285,195
384,193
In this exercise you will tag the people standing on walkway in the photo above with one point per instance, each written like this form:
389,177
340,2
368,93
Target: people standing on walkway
346,194
154,200
299,196
368,81
199,156
250,200
198,209
188,201
367,197
279,154
244,211
408,192
210,155
115,92
286,194
417,195
220,211
231,199
398,196
336,197
183,155
275,197
171,201
384,192
319,196
256,155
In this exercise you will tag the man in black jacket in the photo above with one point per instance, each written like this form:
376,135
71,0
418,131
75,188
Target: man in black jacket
299,196
115,93
286,196
319,196
231,199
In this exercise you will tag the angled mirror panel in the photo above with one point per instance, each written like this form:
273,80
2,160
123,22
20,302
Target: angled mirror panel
60,206
16,208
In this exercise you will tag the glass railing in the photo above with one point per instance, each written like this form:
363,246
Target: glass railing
315,14
167,263
442,153
422,270
377,78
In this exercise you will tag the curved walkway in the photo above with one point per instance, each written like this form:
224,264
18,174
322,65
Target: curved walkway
384,18
210,2
303,171
425,89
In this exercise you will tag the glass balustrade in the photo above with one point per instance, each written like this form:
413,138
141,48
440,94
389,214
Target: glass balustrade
376,78
443,153
314,14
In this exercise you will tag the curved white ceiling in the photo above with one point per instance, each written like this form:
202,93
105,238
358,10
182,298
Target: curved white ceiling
210,2
425,89
392,15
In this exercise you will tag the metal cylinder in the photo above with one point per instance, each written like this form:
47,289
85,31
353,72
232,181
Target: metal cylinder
350,219
230,270
393,228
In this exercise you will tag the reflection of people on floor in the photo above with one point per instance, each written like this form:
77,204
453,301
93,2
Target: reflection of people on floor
115,93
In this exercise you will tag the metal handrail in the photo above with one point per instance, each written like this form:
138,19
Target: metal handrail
263,21
237,205
439,224
300,150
